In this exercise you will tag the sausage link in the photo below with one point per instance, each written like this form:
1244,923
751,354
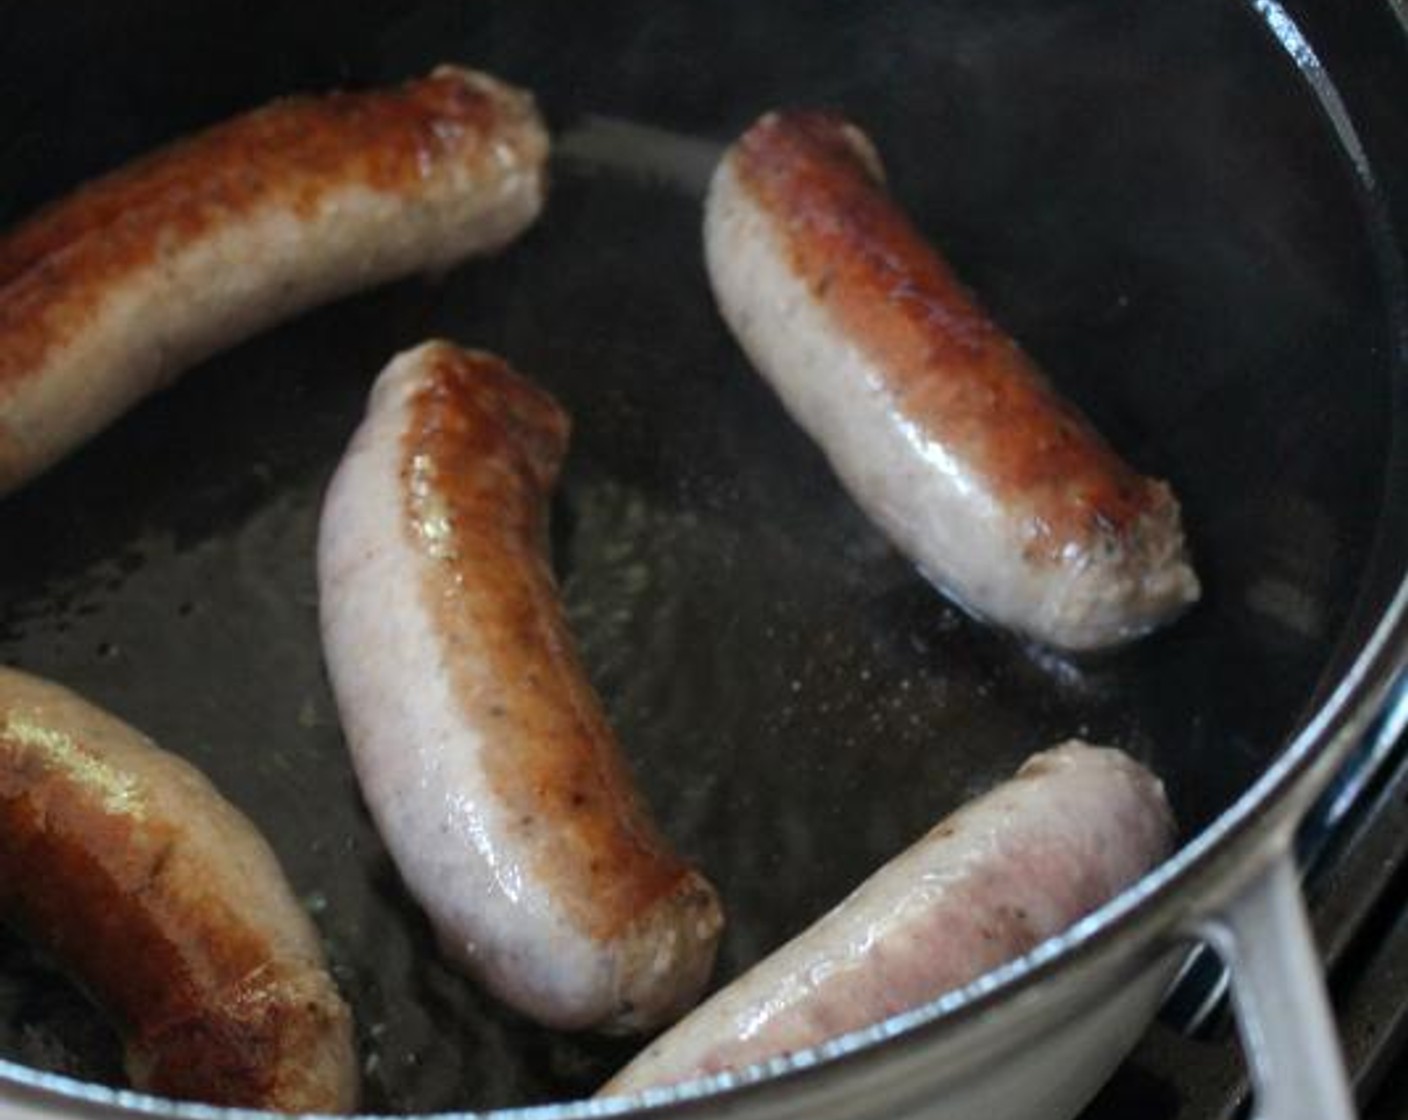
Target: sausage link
108,294
938,424
1074,827
167,905
483,753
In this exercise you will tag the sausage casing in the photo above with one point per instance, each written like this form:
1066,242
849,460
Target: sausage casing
938,424
109,293
168,906
1075,826
482,751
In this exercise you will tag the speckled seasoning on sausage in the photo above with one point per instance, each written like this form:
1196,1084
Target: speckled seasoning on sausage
934,419
169,907
1074,827
111,292
483,753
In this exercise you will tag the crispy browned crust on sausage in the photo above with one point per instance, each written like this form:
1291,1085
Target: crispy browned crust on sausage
480,456
957,375
100,861
111,293
293,153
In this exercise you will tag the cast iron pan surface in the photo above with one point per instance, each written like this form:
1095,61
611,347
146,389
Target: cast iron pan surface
1145,195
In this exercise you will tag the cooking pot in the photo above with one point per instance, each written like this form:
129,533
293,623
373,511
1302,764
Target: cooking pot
1186,212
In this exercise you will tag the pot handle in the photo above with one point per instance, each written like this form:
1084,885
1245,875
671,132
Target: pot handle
1283,1014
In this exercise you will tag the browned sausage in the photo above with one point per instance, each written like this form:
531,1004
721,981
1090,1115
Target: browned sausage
941,428
482,750
111,292
169,907
1075,826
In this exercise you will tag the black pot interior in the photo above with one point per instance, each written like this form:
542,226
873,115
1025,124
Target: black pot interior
1146,195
